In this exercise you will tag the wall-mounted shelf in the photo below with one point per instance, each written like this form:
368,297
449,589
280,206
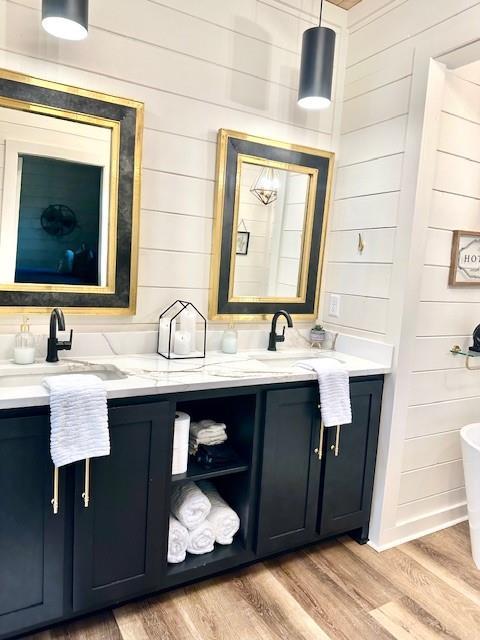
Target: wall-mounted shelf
458,351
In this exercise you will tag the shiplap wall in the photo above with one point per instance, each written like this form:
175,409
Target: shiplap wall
445,396
367,189
198,66
390,43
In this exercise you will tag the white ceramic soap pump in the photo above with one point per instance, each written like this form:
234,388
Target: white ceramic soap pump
24,349
230,340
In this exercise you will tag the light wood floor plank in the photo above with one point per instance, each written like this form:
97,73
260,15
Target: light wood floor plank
441,563
369,588
329,604
405,624
338,590
454,611
276,607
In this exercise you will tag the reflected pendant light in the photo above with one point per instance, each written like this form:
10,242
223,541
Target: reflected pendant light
316,67
67,19
266,186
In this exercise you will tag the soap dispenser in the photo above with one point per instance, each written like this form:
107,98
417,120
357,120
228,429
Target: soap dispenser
24,349
230,340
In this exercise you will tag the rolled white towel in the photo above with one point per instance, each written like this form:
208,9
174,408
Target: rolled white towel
225,522
201,539
189,505
177,541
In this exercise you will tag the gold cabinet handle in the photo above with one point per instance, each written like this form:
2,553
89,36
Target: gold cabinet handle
319,450
54,501
336,447
86,493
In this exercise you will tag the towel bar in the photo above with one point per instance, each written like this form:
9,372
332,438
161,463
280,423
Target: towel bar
457,350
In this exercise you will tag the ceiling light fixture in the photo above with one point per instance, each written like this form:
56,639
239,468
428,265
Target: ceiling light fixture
266,186
316,67
67,19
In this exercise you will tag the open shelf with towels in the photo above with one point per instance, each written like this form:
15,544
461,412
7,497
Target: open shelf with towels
238,413
234,480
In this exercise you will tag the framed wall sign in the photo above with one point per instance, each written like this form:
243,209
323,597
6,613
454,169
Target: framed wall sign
243,240
465,260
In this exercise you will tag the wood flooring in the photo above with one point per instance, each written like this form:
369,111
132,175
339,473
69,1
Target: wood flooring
337,590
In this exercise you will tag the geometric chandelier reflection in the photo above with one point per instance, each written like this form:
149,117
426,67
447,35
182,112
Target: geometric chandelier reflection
266,186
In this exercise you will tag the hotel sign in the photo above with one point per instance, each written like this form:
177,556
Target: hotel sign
465,260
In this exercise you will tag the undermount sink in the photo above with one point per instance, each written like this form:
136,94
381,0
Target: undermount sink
35,375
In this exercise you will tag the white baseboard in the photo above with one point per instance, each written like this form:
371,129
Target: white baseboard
413,529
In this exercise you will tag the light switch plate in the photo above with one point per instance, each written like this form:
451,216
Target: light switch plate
334,305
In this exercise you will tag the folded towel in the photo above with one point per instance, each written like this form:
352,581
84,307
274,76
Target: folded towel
334,390
78,418
225,522
189,505
206,432
214,457
177,541
201,539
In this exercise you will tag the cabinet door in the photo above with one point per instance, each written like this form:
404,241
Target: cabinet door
290,471
31,536
348,479
120,538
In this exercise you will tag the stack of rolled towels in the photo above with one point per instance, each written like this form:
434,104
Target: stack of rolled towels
200,517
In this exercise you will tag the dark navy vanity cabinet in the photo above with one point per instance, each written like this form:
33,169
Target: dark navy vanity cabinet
56,566
306,491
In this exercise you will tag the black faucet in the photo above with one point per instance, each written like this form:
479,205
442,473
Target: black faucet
274,338
54,345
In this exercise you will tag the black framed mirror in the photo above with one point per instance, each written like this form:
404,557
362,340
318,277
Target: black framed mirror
70,181
272,201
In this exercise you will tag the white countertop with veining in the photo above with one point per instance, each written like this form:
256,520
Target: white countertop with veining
151,374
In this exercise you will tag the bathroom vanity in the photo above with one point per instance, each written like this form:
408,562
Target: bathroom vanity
289,488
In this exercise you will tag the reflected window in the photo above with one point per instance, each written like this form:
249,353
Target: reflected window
59,222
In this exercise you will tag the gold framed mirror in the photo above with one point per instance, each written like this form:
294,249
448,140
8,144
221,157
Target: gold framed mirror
271,208
70,182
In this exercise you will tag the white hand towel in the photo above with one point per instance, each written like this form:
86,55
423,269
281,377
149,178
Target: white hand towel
78,418
206,432
189,505
225,522
201,539
177,541
334,390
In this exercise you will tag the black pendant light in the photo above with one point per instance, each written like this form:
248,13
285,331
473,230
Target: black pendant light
316,68
66,19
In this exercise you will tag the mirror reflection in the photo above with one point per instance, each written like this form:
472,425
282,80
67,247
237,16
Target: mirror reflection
271,219
55,179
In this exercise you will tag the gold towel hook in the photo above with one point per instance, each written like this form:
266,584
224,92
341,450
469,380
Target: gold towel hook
361,243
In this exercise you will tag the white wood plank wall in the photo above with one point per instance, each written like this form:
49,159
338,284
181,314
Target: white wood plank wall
367,189
444,395
198,66
419,482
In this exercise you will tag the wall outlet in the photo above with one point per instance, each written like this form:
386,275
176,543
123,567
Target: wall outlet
334,305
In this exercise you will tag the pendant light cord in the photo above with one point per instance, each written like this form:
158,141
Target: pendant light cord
321,11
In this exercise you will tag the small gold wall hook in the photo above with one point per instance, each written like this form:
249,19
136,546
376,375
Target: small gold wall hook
361,243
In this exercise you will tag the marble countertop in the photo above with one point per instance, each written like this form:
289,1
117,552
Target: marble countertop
151,374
